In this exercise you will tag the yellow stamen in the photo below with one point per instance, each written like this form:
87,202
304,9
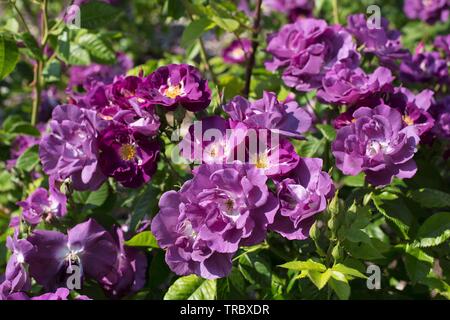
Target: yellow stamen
408,120
173,91
262,161
127,152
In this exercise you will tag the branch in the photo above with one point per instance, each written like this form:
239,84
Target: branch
251,61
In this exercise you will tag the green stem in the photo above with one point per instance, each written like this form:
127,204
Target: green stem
255,43
335,11
21,18
39,67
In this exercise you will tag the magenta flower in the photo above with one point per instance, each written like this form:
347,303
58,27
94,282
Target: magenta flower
127,155
237,51
302,195
285,119
429,11
378,143
308,48
221,208
70,150
86,245
342,85
177,84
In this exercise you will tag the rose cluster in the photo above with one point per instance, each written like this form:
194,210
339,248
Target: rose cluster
228,204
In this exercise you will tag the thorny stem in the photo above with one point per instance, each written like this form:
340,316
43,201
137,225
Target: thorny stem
255,43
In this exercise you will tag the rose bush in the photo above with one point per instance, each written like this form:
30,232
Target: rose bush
256,148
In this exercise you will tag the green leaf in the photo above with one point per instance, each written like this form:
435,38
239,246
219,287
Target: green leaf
256,269
327,131
95,14
311,147
319,279
341,288
354,181
192,288
304,265
417,263
430,198
434,231
52,71
23,127
29,159
32,45
97,49
194,31
9,54
348,271
6,183
223,18
395,211
143,239
98,197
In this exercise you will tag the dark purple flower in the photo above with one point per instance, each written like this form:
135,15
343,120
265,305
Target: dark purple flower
70,150
379,40
302,196
127,155
59,294
377,142
285,119
425,67
342,85
177,84
429,11
130,272
221,208
293,8
124,92
86,245
16,269
441,113
308,48
443,43
237,51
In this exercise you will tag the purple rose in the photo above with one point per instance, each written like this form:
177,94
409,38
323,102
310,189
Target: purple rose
384,43
342,85
59,294
441,113
237,51
17,269
70,150
414,108
307,49
429,11
443,43
294,8
127,155
130,272
425,67
377,142
177,84
41,205
302,196
86,245
285,119
221,208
